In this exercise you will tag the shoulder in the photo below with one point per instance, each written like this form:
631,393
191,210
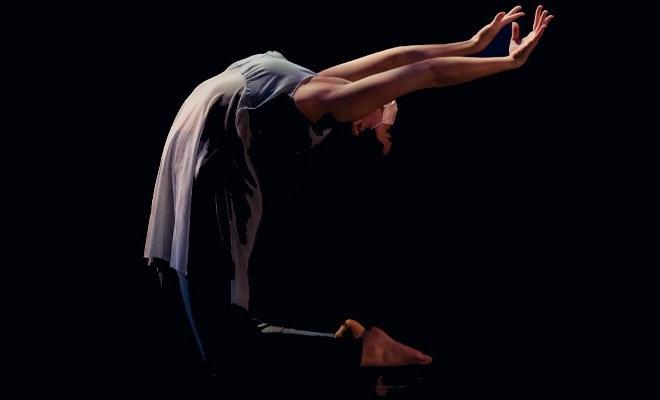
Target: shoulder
310,96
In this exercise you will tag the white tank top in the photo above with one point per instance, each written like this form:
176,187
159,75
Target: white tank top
244,85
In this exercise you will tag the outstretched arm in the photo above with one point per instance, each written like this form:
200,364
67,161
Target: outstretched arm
403,55
395,57
354,100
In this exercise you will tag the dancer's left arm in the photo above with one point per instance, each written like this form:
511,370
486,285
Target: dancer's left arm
403,55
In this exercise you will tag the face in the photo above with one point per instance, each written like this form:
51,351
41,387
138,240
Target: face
369,121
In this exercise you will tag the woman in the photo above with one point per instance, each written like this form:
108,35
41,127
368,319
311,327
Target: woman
242,137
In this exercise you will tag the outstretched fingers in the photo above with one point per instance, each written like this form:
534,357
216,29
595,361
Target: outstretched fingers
547,20
514,10
537,18
541,20
515,32
510,18
512,15
543,25
544,14
498,18
537,36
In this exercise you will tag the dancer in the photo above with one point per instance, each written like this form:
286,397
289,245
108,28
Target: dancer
240,138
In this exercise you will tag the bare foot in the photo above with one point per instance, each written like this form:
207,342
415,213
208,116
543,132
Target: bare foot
380,350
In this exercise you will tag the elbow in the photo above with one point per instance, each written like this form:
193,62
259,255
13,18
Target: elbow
447,72
403,55
435,75
395,58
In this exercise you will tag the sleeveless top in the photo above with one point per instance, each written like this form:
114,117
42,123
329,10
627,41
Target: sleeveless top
245,85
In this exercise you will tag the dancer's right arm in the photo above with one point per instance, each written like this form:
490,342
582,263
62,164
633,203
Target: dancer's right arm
404,55
354,100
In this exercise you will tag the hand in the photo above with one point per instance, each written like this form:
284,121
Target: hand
520,49
380,350
382,132
384,137
486,35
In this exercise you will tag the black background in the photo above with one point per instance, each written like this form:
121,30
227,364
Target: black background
471,241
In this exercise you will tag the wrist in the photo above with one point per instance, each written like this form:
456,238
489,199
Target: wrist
510,62
474,45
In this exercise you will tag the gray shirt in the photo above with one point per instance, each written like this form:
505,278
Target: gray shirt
246,84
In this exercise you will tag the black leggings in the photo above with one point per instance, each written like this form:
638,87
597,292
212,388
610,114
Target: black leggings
229,339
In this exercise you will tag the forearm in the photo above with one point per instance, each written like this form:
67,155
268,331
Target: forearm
396,57
405,55
448,71
356,99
